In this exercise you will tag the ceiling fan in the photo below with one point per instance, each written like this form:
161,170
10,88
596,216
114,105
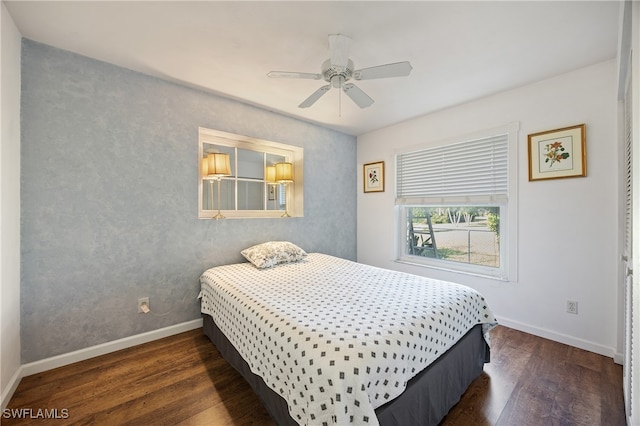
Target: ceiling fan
339,69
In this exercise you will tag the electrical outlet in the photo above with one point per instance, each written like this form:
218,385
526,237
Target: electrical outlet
572,307
143,305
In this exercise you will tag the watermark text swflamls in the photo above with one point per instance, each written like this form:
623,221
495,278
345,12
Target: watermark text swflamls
35,413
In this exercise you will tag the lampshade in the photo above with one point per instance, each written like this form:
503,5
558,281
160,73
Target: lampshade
270,174
204,167
218,164
284,172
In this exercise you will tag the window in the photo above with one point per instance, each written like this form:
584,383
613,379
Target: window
247,192
455,204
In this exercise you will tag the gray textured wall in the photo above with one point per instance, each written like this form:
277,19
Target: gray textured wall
109,198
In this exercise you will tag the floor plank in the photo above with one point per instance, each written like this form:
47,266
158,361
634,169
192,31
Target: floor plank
183,380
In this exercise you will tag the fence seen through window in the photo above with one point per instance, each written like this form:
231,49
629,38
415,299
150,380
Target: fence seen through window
468,234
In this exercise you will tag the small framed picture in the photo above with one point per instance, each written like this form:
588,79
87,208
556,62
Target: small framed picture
559,153
373,174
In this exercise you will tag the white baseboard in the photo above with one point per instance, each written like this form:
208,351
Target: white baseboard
11,388
618,358
93,351
562,338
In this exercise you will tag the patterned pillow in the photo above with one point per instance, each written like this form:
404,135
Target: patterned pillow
272,253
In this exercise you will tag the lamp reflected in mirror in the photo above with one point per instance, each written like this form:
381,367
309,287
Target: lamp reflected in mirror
204,173
270,178
214,166
284,175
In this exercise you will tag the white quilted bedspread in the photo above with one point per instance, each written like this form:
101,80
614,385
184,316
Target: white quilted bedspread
337,339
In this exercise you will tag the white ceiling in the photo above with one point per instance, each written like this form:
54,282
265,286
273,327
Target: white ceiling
459,50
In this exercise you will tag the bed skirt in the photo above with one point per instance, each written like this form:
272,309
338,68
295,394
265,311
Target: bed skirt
429,395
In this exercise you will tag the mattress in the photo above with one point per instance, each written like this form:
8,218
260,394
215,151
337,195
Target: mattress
429,395
336,339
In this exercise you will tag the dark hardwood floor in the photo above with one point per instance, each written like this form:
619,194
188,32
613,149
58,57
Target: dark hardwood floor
183,380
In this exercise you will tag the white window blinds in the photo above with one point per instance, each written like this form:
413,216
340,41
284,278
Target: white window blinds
474,171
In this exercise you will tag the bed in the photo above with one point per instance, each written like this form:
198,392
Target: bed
327,341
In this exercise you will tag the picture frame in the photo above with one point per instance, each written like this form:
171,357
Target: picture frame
373,176
559,153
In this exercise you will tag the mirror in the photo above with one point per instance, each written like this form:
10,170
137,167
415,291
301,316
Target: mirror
248,190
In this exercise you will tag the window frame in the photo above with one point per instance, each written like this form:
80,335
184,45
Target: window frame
508,212
293,154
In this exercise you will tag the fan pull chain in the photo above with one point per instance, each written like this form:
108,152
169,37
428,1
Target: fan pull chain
340,102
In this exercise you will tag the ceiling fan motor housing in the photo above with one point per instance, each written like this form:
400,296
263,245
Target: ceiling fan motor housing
336,75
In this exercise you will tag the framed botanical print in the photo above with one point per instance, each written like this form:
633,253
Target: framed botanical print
559,153
373,174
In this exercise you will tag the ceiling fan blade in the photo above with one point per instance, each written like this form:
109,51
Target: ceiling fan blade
314,96
287,74
357,95
398,69
339,46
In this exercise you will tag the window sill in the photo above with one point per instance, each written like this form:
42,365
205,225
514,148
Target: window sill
248,214
498,277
